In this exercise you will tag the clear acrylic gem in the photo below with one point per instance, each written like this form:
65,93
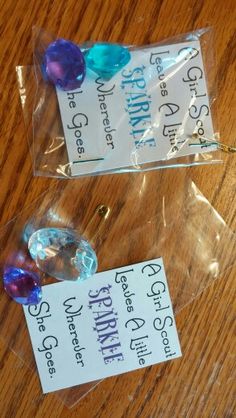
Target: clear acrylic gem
62,254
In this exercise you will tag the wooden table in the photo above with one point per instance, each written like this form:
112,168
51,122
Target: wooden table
202,382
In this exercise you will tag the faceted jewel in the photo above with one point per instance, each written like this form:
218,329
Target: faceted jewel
22,286
107,59
62,254
64,64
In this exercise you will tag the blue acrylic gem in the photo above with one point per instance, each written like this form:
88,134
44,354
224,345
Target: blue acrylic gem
22,286
62,254
107,59
64,64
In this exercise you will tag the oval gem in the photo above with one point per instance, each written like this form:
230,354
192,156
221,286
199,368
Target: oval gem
22,286
62,254
64,64
107,59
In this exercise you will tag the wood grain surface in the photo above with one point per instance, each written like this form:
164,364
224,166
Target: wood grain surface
203,382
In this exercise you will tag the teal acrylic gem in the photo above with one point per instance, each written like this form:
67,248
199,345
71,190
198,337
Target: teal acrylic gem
107,59
63,254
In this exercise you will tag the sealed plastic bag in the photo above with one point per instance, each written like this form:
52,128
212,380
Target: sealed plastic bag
140,118
150,216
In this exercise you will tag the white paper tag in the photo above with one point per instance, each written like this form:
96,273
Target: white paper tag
145,113
119,320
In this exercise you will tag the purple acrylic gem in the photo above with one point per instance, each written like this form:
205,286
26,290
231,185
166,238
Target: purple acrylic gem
64,64
22,286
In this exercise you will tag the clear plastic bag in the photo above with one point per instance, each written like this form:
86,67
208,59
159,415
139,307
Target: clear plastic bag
142,119
150,216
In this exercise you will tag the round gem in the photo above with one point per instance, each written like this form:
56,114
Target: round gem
62,254
64,64
22,286
107,59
